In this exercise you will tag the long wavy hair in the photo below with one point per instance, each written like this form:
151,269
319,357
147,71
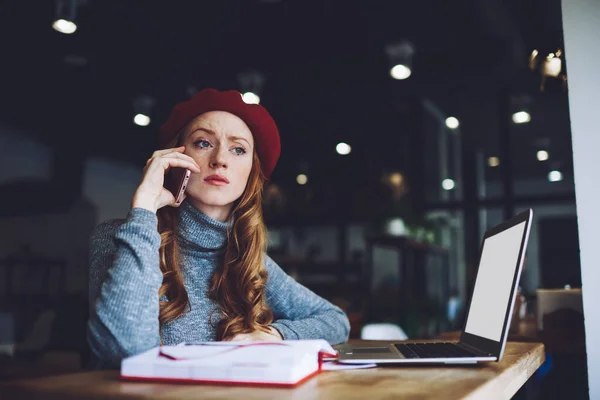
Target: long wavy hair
238,285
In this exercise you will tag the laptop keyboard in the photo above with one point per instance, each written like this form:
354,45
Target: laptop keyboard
433,350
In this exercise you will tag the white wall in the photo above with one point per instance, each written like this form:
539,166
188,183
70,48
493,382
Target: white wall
110,186
107,189
581,27
50,235
22,157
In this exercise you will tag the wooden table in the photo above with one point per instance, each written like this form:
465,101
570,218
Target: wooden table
490,381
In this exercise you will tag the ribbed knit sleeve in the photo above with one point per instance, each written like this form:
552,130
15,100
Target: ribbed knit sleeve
299,313
124,281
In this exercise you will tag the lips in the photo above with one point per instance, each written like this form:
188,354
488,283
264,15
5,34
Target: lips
216,180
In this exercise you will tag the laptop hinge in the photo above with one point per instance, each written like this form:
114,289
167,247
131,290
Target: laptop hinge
476,350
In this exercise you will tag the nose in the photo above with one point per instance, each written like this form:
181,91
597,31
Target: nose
218,159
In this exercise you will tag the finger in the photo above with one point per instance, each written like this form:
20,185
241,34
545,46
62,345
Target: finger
168,162
179,149
165,198
175,204
159,153
181,156
162,152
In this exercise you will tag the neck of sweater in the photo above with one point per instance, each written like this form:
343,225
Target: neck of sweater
199,232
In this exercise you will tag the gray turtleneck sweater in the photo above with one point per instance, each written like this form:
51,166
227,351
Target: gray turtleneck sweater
125,277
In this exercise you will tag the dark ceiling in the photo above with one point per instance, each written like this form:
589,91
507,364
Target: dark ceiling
324,63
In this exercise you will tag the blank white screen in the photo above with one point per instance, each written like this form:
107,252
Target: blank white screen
494,282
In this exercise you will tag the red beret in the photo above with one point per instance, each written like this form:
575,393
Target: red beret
258,119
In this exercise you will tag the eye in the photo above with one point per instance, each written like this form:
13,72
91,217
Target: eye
204,144
239,151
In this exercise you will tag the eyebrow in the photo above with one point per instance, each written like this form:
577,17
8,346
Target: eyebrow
211,132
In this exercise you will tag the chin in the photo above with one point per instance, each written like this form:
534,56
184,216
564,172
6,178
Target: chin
212,198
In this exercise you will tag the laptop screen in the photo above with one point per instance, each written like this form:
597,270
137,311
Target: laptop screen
495,276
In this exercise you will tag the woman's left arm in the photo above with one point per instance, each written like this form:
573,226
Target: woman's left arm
298,313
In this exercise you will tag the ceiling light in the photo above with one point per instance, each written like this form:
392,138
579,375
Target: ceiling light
493,161
555,176
533,59
141,120
64,26
343,148
400,55
521,117
400,71
301,179
396,179
65,15
452,122
250,98
448,184
542,155
142,109
250,83
552,66
396,227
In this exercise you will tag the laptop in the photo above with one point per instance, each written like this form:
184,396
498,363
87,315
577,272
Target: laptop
488,318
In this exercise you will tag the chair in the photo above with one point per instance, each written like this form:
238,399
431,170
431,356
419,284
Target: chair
382,331
7,334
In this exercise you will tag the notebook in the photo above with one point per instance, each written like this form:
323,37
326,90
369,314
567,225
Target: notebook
284,363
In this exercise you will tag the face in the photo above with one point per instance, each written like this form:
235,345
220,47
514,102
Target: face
223,146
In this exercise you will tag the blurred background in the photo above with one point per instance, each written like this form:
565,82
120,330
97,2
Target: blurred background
408,128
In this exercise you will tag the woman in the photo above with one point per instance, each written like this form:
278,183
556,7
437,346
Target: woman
196,271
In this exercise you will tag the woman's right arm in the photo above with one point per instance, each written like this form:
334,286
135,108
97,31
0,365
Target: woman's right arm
125,274
124,281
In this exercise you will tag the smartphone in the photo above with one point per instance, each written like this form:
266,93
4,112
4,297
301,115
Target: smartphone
176,181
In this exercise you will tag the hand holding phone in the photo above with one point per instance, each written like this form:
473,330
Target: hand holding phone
165,178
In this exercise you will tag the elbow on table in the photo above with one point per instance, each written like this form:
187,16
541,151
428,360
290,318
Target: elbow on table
111,350
343,331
